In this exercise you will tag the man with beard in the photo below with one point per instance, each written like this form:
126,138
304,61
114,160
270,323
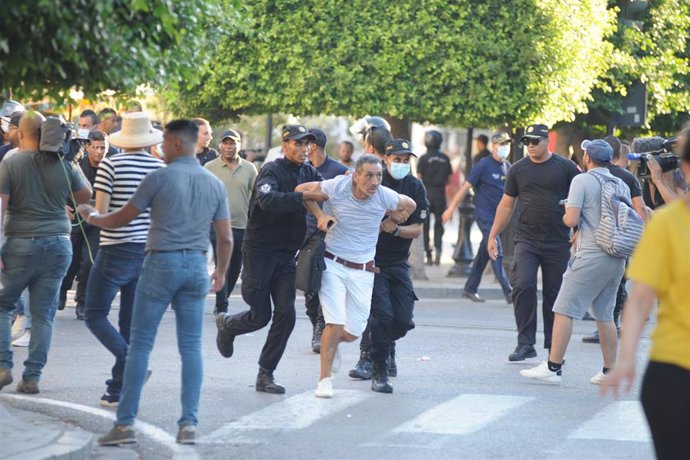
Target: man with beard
238,176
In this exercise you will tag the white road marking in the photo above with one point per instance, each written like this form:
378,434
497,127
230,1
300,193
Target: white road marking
150,431
463,415
619,421
295,413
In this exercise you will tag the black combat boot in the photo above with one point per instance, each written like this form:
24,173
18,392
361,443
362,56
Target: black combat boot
381,383
392,365
316,335
266,383
364,368
429,259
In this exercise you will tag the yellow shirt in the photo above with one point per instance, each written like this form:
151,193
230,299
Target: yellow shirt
662,261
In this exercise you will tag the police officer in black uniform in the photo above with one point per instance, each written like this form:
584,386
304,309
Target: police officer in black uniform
275,231
393,294
434,169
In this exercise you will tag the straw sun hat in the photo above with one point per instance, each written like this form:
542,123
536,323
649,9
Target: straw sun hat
136,132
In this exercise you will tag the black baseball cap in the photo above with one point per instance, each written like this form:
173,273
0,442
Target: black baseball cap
399,147
296,132
231,134
320,137
536,132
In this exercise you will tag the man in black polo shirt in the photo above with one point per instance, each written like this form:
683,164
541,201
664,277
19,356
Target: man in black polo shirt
636,194
541,180
434,169
275,231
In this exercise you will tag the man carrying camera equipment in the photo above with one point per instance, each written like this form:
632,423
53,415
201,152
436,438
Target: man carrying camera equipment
34,188
660,164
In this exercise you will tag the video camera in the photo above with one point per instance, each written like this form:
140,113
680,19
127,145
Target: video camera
657,147
58,137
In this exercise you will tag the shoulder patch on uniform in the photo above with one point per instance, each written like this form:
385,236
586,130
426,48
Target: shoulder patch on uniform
423,214
266,188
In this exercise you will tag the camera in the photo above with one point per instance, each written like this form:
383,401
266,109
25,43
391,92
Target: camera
57,137
657,147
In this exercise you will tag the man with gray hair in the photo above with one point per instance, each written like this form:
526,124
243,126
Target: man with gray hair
353,209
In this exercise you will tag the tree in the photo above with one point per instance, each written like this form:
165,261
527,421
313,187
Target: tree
466,62
49,47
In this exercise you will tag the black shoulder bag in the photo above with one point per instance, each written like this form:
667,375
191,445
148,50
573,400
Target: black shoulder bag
310,263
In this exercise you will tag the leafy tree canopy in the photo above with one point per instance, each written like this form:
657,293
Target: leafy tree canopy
48,47
465,62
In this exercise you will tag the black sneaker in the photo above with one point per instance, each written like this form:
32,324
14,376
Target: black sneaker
522,352
224,341
109,400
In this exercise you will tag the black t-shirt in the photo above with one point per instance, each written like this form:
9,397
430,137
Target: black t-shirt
393,249
627,177
277,221
206,155
539,187
435,168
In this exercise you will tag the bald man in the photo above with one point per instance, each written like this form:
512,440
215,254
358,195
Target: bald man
34,188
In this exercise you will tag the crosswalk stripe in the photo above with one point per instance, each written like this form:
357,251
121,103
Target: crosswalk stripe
294,413
619,421
465,414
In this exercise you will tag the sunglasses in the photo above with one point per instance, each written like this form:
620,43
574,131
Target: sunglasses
527,141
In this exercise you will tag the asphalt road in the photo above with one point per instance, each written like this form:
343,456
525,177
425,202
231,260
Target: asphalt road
455,396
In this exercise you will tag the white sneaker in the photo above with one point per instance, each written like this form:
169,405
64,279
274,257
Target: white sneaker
325,388
23,341
335,367
598,379
18,326
543,374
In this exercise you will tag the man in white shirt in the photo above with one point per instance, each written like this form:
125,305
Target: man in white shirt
353,209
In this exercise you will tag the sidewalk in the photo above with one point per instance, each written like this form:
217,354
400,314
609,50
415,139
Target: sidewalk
30,435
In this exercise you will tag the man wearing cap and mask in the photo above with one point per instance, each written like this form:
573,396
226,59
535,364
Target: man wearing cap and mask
393,297
121,252
435,170
238,176
592,276
328,169
487,178
541,180
275,231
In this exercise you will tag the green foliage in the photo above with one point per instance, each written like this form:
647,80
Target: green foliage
465,62
657,55
51,46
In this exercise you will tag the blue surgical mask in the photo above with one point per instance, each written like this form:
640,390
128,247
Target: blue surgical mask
503,151
399,170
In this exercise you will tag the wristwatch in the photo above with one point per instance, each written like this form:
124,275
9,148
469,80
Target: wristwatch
397,231
91,214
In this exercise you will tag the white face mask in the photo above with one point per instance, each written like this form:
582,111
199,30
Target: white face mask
399,170
83,133
503,151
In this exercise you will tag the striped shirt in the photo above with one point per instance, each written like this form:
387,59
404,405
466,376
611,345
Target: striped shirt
119,176
356,232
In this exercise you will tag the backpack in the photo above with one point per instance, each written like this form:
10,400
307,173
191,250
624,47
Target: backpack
310,263
620,227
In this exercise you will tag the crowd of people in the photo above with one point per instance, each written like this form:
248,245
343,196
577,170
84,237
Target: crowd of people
136,210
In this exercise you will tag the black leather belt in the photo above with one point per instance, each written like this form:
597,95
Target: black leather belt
369,266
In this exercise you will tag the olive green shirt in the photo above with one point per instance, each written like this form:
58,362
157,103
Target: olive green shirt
238,183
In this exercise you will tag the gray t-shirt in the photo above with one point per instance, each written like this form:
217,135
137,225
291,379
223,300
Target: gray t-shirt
355,235
585,193
38,185
184,199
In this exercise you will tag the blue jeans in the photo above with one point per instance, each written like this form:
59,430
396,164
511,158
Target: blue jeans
39,264
116,268
482,258
180,279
